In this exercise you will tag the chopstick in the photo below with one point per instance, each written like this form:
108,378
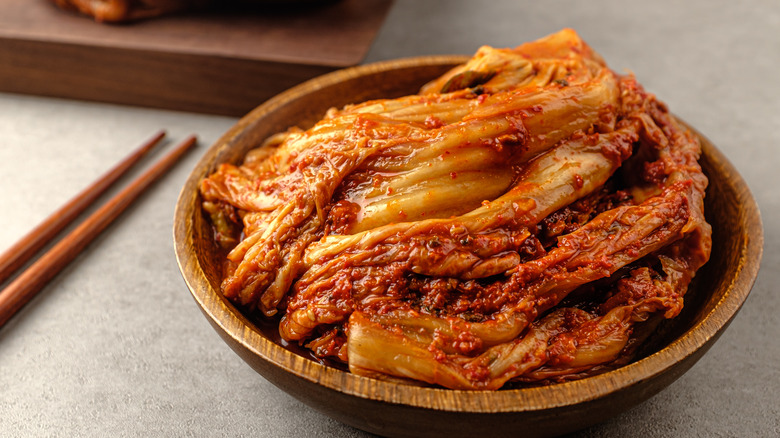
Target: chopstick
32,280
26,247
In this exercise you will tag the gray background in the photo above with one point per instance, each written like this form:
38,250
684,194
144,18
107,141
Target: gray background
115,345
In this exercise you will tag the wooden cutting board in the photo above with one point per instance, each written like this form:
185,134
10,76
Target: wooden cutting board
219,62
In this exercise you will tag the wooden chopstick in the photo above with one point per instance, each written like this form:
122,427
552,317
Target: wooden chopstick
23,250
29,282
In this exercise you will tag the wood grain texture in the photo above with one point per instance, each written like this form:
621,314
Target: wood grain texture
391,409
225,62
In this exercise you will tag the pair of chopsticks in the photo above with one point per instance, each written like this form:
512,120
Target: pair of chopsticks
19,291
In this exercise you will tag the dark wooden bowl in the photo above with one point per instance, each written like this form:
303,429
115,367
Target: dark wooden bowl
385,408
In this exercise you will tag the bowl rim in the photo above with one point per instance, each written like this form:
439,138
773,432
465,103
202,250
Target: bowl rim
235,325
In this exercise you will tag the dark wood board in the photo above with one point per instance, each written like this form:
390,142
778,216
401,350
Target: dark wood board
217,62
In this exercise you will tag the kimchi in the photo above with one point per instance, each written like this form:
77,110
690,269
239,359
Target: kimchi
127,10
530,216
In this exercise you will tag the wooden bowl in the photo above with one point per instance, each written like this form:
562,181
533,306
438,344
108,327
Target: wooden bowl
385,408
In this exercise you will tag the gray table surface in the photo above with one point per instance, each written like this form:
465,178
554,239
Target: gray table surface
115,345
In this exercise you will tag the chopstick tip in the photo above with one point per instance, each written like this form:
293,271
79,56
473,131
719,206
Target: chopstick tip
160,135
191,140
